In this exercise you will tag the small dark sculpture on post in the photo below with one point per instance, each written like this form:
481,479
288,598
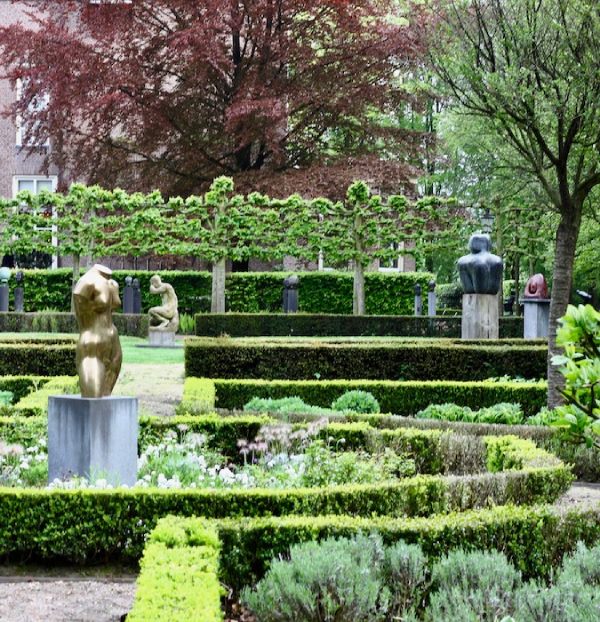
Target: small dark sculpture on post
536,288
481,271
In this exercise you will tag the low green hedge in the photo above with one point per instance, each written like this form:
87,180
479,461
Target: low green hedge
55,322
179,574
249,292
20,386
37,359
329,325
36,403
232,358
535,539
405,398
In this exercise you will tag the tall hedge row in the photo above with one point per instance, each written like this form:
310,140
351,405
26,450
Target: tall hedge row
247,292
233,358
331,325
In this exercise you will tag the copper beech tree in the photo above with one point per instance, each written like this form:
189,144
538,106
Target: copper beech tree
170,94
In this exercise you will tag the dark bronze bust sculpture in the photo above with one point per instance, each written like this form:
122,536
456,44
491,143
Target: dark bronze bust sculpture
481,271
536,288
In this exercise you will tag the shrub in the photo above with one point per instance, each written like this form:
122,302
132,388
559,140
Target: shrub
356,401
405,398
6,398
302,360
472,586
284,406
198,396
334,580
179,579
37,358
329,325
36,403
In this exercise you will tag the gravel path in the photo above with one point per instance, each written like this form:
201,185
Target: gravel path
158,387
582,495
64,600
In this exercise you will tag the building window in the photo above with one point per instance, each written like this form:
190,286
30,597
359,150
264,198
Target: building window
396,264
22,127
36,184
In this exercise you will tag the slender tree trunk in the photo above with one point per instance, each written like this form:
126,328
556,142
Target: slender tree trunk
358,295
217,301
517,306
562,280
75,278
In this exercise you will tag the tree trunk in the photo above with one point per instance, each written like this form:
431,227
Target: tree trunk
75,278
217,301
358,295
562,280
517,306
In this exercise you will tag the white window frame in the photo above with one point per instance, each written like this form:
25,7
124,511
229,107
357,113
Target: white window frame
35,179
400,261
20,126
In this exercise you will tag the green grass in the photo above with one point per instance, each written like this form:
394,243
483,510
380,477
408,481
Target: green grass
131,353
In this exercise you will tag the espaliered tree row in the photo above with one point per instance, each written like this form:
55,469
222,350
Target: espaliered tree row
222,225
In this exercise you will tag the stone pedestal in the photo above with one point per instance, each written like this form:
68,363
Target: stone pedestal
161,339
3,298
431,303
94,437
19,300
480,316
536,316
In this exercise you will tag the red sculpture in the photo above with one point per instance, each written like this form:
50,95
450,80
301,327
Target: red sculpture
536,287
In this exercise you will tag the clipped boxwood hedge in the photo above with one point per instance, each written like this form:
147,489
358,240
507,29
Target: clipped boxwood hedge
404,398
329,325
37,359
240,358
179,574
534,539
249,292
54,322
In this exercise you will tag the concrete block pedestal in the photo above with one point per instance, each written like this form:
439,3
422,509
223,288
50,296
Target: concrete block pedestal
160,339
480,316
536,316
93,436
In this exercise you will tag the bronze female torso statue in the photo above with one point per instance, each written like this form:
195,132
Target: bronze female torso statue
99,352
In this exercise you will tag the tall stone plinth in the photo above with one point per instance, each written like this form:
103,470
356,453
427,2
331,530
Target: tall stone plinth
536,317
161,339
480,316
93,436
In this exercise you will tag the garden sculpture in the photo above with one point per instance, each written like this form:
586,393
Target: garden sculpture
480,271
164,318
99,352
536,287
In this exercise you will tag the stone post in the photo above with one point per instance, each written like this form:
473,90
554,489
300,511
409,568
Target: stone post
137,297
431,299
418,300
536,308
128,295
19,293
290,294
4,276
480,316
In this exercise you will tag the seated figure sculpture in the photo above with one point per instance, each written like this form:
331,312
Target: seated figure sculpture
99,352
481,271
165,317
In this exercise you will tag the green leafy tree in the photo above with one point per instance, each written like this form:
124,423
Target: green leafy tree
579,335
529,68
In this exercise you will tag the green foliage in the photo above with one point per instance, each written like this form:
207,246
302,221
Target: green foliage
356,401
36,402
187,324
58,322
298,360
284,406
579,335
37,358
405,398
510,452
342,579
510,414
472,586
179,575
198,396
6,398
329,325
